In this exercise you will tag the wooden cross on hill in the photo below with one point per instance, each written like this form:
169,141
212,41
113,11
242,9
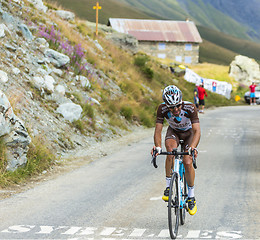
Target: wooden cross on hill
97,7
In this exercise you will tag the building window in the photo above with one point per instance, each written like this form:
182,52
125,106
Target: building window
187,59
161,46
161,55
178,59
188,47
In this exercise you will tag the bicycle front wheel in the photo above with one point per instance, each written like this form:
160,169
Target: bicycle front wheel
184,196
173,206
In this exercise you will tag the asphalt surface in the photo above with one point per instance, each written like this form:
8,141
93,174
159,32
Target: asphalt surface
119,196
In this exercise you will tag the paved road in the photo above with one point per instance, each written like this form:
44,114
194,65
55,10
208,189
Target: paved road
119,196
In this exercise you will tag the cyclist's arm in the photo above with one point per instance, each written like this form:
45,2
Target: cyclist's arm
196,137
158,135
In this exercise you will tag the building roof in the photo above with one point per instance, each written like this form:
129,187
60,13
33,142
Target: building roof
157,30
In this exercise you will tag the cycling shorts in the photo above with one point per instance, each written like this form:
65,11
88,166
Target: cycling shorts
186,136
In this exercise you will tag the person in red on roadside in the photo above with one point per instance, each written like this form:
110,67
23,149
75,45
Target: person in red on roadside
252,94
201,92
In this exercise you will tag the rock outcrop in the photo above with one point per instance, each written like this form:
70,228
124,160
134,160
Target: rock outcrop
14,134
244,70
44,93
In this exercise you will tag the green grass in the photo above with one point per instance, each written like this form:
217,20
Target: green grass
225,45
110,9
39,158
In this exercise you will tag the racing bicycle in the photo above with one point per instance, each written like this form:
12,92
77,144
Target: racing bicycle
178,196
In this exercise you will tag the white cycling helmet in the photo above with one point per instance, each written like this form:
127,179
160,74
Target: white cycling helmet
172,95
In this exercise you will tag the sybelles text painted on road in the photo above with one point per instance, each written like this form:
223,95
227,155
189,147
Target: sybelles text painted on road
111,232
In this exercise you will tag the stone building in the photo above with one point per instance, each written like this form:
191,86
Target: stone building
176,40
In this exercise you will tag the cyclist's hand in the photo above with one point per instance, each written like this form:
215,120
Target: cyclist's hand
156,150
193,150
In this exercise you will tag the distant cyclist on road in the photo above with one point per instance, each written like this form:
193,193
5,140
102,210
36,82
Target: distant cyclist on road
184,124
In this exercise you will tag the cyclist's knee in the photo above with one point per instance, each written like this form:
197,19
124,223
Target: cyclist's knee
187,161
170,144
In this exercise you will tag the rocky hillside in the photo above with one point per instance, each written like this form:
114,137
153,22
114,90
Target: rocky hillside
59,85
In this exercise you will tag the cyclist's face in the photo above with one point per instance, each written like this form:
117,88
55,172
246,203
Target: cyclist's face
176,110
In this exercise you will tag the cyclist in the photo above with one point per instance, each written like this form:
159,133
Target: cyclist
183,120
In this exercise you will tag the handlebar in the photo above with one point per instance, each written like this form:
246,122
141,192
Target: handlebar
174,153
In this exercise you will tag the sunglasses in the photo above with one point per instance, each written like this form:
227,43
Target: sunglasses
174,106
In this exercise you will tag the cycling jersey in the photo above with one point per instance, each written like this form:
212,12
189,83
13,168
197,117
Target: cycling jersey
181,123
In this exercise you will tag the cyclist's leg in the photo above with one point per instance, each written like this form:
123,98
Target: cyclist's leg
171,142
187,159
189,172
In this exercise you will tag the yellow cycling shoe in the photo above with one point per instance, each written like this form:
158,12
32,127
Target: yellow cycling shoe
192,207
165,196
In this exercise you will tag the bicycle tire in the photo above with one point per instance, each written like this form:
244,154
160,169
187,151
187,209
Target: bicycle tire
173,207
184,195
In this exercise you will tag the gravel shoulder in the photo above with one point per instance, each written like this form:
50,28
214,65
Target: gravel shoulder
75,159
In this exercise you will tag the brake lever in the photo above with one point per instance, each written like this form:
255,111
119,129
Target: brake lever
154,161
194,160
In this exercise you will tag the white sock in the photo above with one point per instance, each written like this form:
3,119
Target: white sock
191,191
168,180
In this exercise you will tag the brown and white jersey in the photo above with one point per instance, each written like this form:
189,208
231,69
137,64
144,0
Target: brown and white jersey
181,123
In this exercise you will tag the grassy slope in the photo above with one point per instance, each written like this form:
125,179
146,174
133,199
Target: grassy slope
110,9
167,9
212,53
243,47
206,15
218,48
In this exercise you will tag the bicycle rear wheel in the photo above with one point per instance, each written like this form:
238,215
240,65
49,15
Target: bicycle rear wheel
173,207
184,196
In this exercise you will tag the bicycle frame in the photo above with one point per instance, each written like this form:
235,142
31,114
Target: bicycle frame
180,171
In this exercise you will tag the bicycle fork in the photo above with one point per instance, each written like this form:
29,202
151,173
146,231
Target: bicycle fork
176,170
181,203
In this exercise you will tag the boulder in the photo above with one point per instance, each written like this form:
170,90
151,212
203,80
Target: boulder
39,5
244,70
60,89
25,31
84,81
49,83
14,134
66,15
70,111
3,29
56,58
3,76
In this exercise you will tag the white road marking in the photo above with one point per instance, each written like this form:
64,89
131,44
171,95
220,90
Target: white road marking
156,198
72,231
164,233
108,233
137,232
193,234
